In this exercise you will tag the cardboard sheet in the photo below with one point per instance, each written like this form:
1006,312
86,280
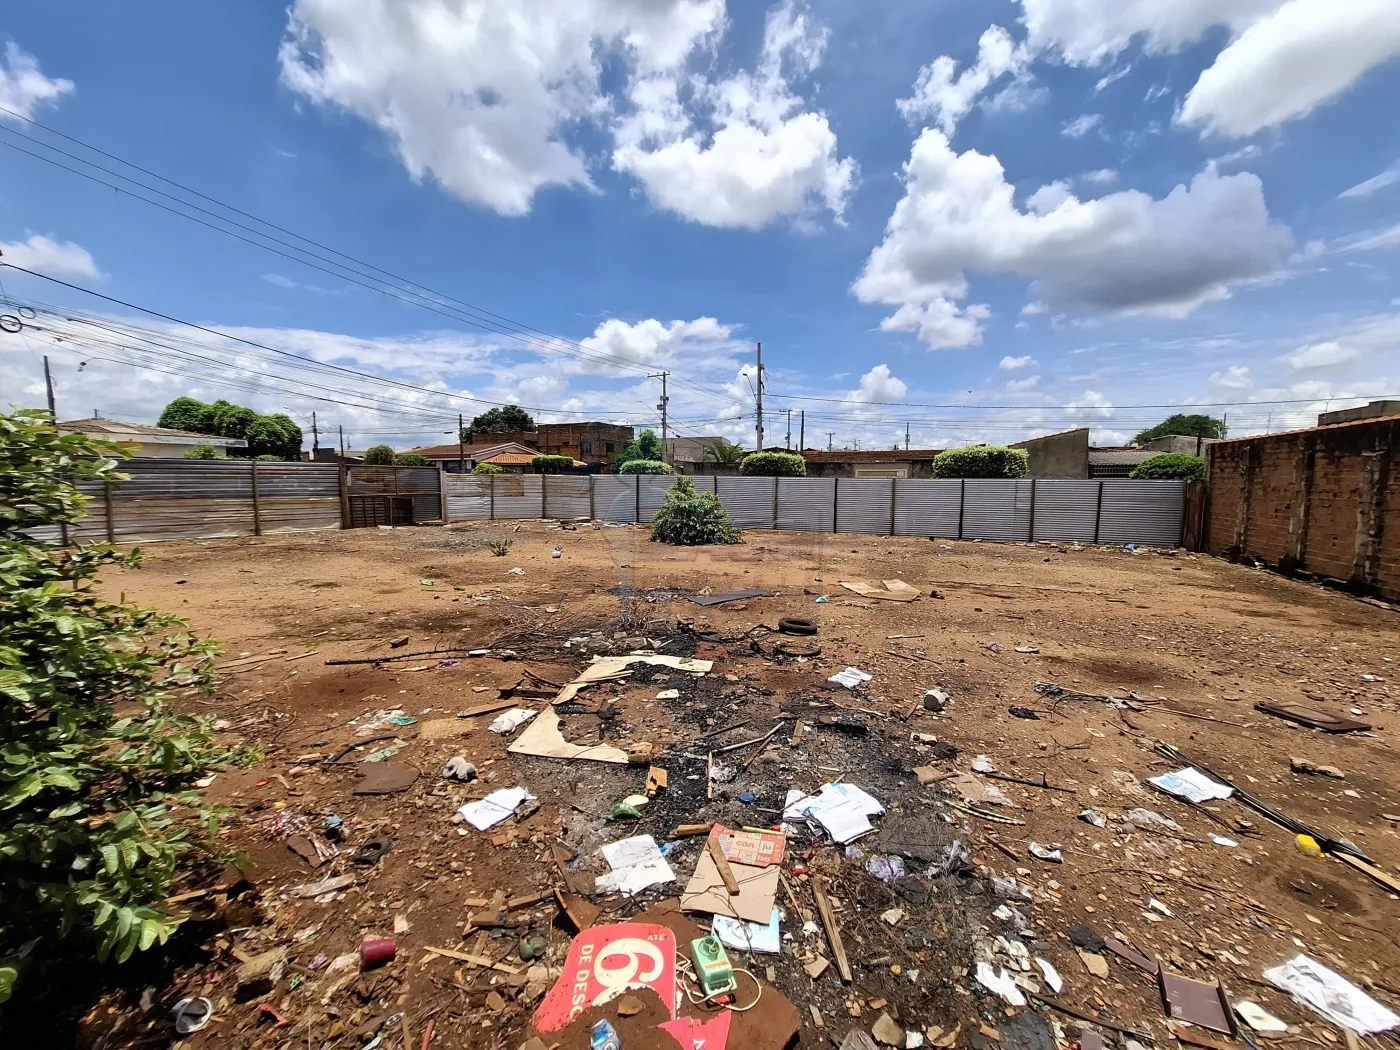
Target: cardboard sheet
543,739
756,848
611,668
888,590
758,891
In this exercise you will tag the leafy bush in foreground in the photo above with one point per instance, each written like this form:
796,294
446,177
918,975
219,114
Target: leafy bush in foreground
688,518
488,468
98,814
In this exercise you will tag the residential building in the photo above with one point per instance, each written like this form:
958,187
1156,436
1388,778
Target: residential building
1375,410
1062,455
694,455
1184,444
870,463
595,444
150,442
454,458
1116,462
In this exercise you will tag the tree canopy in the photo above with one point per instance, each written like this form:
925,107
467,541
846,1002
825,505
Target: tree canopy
1170,466
379,456
645,445
1195,425
410,459
272,435
499,420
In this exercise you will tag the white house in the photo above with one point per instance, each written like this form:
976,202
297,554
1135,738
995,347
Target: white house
141,439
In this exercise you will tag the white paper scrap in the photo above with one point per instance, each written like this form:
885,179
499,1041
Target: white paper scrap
494,808
996,979
842,809
510,721
750,936
1051,975
1331,995
636,864
1192,784
850,677
1258,1018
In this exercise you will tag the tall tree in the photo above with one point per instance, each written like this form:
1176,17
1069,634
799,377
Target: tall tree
1194,425
499,420
274,435
645,445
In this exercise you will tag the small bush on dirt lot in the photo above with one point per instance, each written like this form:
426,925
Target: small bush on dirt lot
773,465
500,548
1170,466
379,456
982,461
688,518
644,466
98,814
488,468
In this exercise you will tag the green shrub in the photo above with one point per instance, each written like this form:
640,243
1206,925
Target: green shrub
688,518
500,548
551,464
488,468
982,461
98,813
410,459
268,457
201,452
645,445
644,466
379,456
1170,466
773,465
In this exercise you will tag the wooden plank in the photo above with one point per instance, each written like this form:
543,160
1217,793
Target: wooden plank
726,873
474,960
833,932
1370,870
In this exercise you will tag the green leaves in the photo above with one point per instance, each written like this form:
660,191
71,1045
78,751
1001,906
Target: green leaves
690,518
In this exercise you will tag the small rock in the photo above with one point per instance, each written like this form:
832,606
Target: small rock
629,1006
1302,765
1095,964
887,1032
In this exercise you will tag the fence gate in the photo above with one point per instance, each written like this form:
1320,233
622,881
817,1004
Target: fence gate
386,495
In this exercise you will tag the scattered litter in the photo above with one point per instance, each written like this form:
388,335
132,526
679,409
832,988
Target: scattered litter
1150,820
385,778
707,892
1051,975
669,694
996,979
983,764
889,590
1221,840
1258,1018
317,889
1044,853
1159,907
1307,846
510,721
372,851
517,571
841,809
636,864
376,951
750,936
1085,937
1092,816
558,552
936,700
1302,765
544,739
1192,784
499,805
1027,649
886,1031
1024,712
1313,718
458,768
850,677
191,1015
893,916
730,596
886,869
1200,1002
1372,678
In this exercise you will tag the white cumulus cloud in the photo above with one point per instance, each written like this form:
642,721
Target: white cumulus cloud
46,255
1124,253
946,95
1013,364
23,86
741,151
1322,355
878,386
652,342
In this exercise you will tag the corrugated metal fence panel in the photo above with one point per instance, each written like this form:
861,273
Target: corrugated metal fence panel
863,505
468,497
1066,510
615,497
654,489
927,508
1145,512
186,479
297,513
301,480
566,496
806,504
423,484
748,500
187,518
372,481
517,495
996,509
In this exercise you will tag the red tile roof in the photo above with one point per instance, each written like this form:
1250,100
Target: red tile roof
871,455
469,451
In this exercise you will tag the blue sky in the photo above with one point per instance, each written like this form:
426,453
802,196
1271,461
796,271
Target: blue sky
985,220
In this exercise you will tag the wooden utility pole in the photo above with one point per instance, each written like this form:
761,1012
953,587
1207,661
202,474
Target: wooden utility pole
802,430
788,442
48,385
661,406
461,447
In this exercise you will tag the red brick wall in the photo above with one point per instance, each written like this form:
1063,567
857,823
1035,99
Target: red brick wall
1268,474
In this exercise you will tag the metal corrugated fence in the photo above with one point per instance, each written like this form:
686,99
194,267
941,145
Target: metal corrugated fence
1061,509
190,499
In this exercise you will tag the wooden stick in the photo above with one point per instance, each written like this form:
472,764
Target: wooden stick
1072,1012
684,831
833,932
726,729
475,960
745,743
1374,872
1203,718
726,873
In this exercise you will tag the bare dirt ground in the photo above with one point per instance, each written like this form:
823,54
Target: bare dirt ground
1200,642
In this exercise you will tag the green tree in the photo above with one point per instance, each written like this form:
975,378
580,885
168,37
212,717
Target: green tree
1170,466
773,465
488,468
551,464
644,466
410,459
379,456
274,435
499,420
982,461
98,812
690,518
725,453
645,445
201,452
186,413
1190,426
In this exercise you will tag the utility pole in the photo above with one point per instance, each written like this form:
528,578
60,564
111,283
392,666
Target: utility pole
48,385
315,436
802,430
662,405
759,395
341,428
830,438
788,443
461,447
906,437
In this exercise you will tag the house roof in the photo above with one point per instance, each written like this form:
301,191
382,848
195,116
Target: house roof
1372,421
1120,457
471,451
888,455
520,459
116,430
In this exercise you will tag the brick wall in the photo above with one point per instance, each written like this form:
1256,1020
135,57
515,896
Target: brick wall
1325,500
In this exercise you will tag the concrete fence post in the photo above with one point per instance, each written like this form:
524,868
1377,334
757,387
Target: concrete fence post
1032,535
592,498
775,502
894,488
1303,467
